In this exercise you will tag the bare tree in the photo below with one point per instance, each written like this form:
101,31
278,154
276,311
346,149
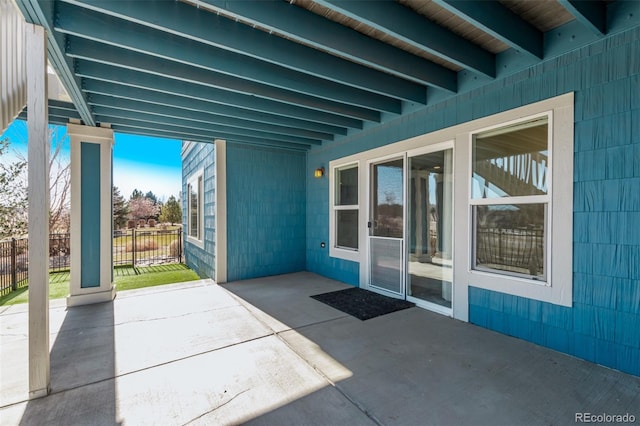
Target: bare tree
13,193
59,180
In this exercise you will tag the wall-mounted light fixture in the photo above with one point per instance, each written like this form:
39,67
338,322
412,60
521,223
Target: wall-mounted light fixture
319,172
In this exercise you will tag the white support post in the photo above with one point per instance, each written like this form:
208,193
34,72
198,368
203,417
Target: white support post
91,215
38,156
221,212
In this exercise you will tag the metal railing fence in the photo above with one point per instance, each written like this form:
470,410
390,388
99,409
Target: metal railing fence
147,246
133,247
518,250
13,264
59,252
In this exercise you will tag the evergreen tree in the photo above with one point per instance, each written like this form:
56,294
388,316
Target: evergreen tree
150,195
136,194
120,209
171,211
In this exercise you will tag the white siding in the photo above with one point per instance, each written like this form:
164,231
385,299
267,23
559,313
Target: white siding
13,76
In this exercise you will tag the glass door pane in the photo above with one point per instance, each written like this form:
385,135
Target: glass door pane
388,199
430,216
386,230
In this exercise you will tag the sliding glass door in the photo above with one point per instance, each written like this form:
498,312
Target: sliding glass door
429,228
410,242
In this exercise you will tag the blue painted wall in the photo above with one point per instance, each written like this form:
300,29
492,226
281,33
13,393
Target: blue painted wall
201,157
90,214
266,229
604,324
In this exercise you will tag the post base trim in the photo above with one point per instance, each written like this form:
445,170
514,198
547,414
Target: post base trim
39,393
91,298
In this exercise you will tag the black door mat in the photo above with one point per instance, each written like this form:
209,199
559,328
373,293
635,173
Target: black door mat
362,304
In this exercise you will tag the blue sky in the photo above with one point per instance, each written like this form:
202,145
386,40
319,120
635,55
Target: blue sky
145,163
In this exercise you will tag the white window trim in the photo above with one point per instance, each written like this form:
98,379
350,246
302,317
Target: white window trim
334,250
560,273
193,180
525,199
558,288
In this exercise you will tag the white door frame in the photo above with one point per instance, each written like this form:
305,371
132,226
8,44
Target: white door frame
437,147
369,212
404,155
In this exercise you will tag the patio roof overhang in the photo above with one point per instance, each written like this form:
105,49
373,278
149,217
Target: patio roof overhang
296,74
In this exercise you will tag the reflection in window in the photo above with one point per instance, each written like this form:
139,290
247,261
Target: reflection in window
511,238
388,202
511,161
346,207
347,186
510,194
194,191
347,225
430,214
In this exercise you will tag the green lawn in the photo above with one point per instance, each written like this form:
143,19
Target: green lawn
126,278
131,278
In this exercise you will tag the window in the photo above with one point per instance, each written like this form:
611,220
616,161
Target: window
510,194
344,214
516,235
195,209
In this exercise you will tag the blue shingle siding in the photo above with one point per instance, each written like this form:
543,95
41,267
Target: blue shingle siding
266,207
603,324
201,158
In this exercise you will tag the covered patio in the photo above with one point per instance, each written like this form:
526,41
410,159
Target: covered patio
262,351
285,96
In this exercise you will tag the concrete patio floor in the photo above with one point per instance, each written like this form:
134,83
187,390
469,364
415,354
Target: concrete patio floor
263,352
